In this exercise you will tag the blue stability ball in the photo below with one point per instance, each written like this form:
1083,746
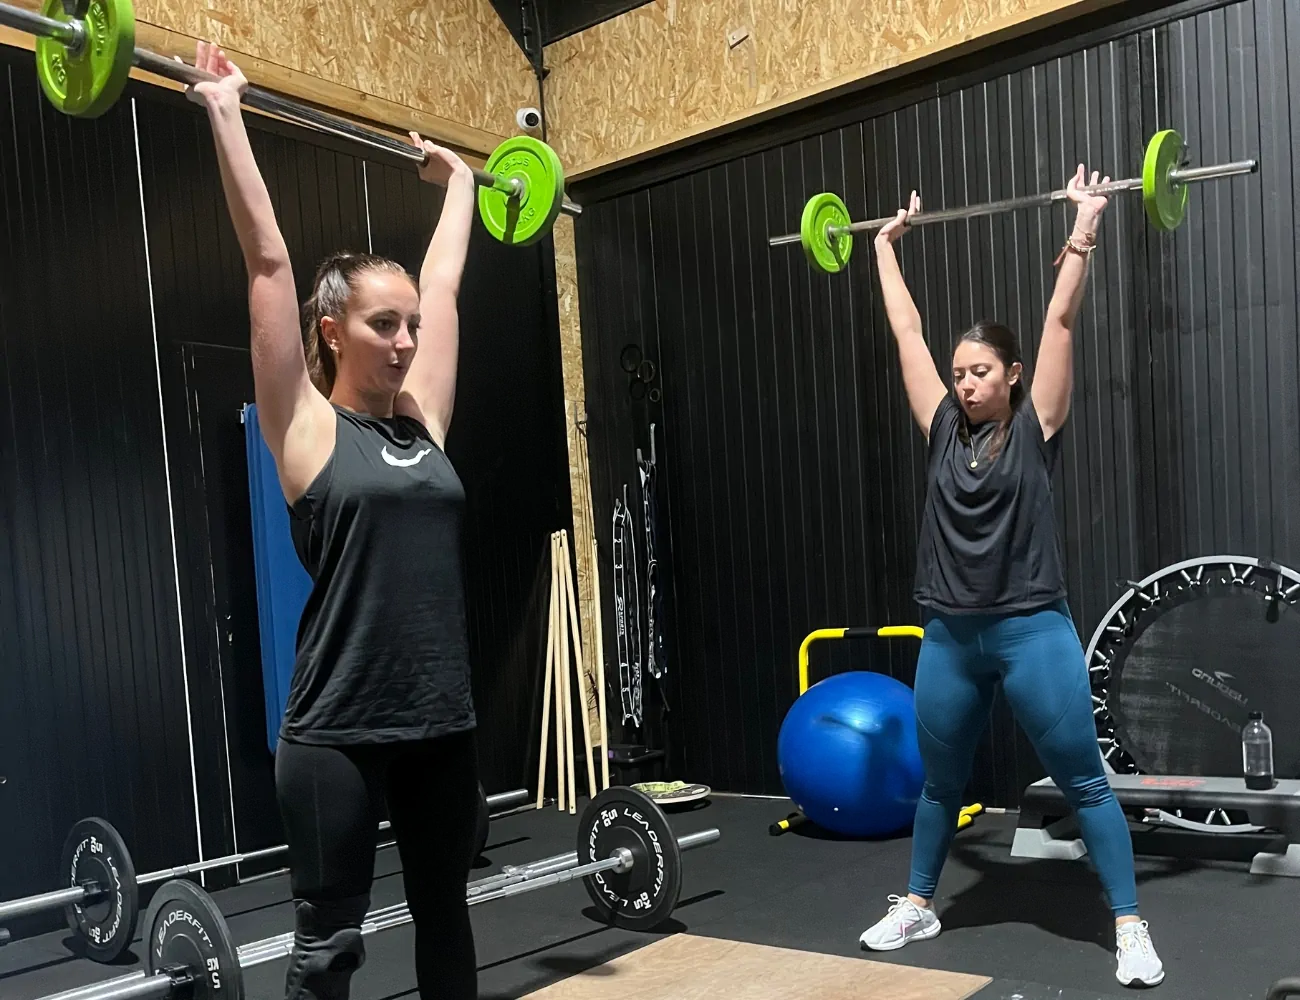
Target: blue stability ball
848,754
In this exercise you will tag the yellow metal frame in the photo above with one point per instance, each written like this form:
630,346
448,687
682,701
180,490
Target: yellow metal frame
852,632
968,813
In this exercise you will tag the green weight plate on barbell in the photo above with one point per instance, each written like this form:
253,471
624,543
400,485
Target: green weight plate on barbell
826,252
87,81
1165,201
521,221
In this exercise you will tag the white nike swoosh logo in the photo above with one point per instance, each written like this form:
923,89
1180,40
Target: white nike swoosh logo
403,463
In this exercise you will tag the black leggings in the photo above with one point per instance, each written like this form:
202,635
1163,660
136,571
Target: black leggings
331,800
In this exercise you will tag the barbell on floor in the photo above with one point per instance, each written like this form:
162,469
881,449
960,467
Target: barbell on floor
627,856
826,231
85,50
102,902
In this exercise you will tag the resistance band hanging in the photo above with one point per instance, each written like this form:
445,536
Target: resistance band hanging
627,633
648,470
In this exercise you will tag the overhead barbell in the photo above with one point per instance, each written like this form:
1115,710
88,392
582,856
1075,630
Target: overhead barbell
85,50
101,902
826,231
627,856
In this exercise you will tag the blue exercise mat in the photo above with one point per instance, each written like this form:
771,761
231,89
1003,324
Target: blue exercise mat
282,584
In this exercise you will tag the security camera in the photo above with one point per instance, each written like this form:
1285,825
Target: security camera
528,118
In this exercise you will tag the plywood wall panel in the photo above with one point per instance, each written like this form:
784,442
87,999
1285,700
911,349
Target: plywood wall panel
448,68
671,70
452,58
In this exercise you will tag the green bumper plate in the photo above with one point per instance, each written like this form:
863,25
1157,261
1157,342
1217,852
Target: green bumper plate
86,82
521,221
1165,201
826,252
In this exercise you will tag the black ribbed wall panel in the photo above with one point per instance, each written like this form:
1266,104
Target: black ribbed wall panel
791,473
114,589
92,695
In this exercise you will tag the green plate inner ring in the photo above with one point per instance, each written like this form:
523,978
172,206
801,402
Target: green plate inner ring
827,253
1166,202
521,221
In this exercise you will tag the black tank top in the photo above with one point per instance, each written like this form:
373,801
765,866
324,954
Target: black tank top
988,540
383,643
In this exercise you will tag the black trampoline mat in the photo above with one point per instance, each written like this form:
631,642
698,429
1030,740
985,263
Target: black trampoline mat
1187,681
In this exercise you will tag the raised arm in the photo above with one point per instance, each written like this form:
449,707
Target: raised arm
429,392
925,389
1054,374
296,420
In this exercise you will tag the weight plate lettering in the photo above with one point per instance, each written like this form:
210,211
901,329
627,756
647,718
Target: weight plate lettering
525,220
187,932
1165,201
95,855
825,252
86,81
644,896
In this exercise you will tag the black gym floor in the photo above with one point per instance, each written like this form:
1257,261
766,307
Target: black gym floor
1038,928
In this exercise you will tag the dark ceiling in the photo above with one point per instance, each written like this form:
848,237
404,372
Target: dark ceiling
559,17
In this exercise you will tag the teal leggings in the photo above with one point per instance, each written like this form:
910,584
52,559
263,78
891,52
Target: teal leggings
1038,659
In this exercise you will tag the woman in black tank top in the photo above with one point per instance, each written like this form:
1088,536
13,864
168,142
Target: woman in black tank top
990,580
380,710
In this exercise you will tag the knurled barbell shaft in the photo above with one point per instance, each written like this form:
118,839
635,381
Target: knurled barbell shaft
546,873
1186,175
15,908
321,121
135,986
501,800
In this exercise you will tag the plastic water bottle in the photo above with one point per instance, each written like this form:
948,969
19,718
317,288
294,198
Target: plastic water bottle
1257,753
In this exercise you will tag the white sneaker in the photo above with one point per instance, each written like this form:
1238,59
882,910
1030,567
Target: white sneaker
904,922
1139,965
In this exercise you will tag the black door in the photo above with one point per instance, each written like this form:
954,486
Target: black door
223,608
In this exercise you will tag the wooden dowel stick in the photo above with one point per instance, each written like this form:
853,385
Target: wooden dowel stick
561,800
568,682
546,696
577,656
600,667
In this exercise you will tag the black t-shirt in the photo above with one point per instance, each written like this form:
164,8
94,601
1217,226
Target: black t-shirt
988,541
383,645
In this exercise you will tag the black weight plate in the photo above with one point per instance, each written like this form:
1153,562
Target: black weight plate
481,824
630,358
636,389
187,932
95,853
644,896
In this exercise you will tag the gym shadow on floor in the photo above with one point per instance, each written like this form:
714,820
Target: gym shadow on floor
1059,897
1063,898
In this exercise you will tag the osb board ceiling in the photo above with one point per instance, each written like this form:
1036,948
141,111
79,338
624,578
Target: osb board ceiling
673,70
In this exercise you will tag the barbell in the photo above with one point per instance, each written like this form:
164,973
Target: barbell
627,856
826,231
85,50
101,902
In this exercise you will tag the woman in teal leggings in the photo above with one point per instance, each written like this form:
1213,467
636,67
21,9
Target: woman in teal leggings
991,583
